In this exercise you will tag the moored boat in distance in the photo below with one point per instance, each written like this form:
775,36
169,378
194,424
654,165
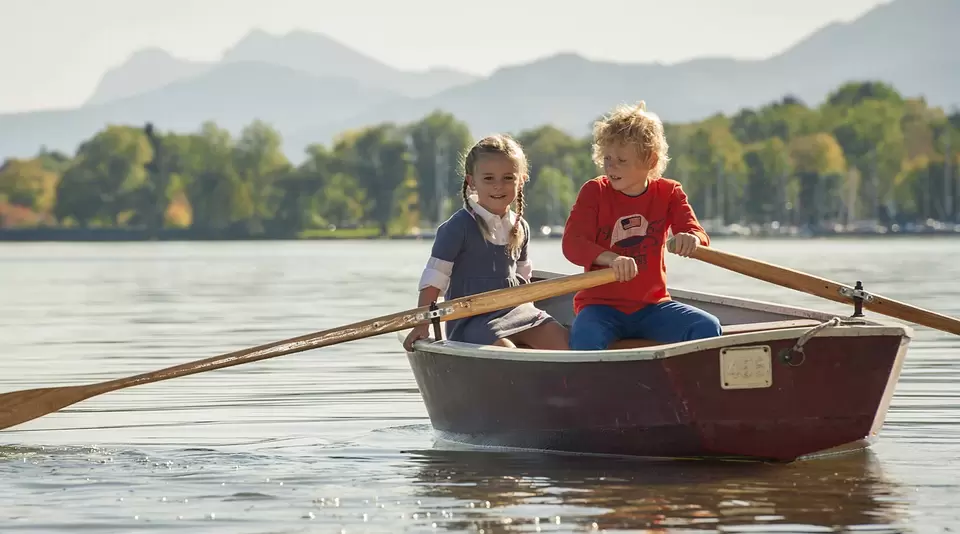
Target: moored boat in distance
782,383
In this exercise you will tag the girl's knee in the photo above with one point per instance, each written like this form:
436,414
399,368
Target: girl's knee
559,335
550,335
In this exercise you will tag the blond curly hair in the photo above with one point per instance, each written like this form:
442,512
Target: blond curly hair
632,125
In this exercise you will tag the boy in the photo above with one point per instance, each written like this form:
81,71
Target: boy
620,220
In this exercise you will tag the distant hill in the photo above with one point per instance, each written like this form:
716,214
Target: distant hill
911,44
311,53
232,94
144,71
312,88
904,42
320,55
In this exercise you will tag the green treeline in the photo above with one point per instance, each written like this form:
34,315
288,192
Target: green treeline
866,153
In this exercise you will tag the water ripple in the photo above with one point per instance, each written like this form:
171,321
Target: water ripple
338,438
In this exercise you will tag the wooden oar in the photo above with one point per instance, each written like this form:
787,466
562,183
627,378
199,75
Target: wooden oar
824,288
20,406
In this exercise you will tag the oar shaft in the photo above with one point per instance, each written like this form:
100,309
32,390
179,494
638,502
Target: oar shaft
824,288
913,314
18,407
781,276
453,309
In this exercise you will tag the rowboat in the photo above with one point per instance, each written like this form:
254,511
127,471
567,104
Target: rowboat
782,383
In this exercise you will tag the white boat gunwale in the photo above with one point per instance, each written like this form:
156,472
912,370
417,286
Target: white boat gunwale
656,352
864,327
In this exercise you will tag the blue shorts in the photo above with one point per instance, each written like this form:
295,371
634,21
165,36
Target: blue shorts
596,326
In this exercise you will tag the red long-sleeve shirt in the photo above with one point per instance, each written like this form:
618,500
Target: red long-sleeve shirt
636,226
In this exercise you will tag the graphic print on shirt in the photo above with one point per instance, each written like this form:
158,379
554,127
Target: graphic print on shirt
633,236
629,231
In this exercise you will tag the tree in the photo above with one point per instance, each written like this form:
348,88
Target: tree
871,137
549,199
259,162
438,142
377,157
55,161
718,171
853,94
820,169
29,183
769,170
163,182
102,183
342,201
548,147
866,151
919,187
219,199
785,119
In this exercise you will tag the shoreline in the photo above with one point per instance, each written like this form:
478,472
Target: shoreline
71,235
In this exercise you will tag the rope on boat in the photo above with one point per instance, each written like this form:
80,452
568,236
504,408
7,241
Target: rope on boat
787,355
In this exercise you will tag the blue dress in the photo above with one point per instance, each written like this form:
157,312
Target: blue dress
480,266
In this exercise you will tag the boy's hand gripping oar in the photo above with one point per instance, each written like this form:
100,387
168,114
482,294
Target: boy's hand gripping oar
20,406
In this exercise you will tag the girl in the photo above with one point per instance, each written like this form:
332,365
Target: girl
483,247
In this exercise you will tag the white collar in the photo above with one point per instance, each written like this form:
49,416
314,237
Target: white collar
492,219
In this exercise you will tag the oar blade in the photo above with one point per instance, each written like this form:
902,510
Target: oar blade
19,407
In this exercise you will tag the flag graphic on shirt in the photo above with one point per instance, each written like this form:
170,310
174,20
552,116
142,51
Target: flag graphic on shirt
629,230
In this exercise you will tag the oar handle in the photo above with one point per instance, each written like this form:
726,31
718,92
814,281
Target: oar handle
822,287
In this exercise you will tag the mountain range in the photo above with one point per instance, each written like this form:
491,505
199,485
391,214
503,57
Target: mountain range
311,87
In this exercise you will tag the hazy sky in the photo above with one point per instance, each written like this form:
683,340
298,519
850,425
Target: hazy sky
53,52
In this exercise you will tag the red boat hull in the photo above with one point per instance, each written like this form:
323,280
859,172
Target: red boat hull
673,406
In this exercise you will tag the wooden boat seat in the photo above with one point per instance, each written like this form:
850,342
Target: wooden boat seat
728,330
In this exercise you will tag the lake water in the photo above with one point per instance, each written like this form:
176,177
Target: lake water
337,439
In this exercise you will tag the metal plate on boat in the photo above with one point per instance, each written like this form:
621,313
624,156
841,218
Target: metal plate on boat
746,367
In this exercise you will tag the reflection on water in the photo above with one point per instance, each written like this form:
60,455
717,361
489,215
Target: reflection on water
382,490
338,438
655,495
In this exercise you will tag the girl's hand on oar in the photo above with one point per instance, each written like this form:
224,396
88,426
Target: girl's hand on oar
418,333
